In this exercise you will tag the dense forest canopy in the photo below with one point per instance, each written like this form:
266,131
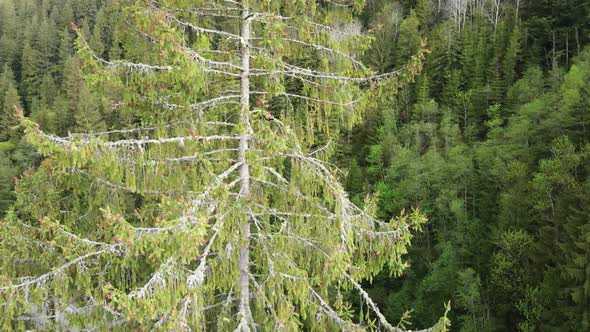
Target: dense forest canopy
490,141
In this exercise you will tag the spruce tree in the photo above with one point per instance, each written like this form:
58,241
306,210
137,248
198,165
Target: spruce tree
31,73
409,41
207,208
6,177
424,12
9,101
576,268
511,57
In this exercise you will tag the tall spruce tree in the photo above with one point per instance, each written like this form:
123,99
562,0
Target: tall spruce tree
213,208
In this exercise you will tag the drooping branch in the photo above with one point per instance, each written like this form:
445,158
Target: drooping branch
270,17
376,310
156,280
121,187
142,67
193,27
218,181
200,59
210,65
199,106
145,129
311,99
275,212
327,50
180,140
269,306
81,239
199,156
292,69
197,277
331,312
64,141
201,11
28,281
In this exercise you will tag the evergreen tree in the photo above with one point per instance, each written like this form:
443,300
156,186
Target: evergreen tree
88,117
10,103
385,26
472,147
354,182
31,74
410,37
424,12
510,58
65,48
470,297
8,34
576,269
214,216
510,273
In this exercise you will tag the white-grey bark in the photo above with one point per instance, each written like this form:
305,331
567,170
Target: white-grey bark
244,313
457,11
493,11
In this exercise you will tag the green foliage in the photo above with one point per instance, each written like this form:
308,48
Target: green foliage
469,297
509,273
424,12
490,141
35,50
9,103
7,174
409,40
193,189
384,24
354,182
531,307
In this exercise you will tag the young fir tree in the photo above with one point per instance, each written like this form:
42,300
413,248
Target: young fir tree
207,208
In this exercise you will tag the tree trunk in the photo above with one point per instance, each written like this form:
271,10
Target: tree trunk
244,260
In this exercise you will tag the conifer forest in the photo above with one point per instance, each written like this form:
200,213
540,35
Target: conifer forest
295,165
